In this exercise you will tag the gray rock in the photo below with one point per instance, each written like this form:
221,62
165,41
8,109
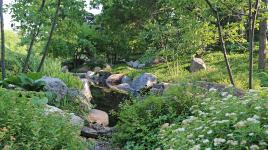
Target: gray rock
52,109
91,132
158,88
103,146
90,74
64,69
140,66
125,87
74,120
92,77
135,64
11,86
126,79
102,77
130,64
145,81
56,86
197,65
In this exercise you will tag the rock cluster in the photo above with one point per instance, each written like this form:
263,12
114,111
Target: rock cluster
136,64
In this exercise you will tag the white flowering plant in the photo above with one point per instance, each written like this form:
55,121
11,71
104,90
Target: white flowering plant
221,123
141,121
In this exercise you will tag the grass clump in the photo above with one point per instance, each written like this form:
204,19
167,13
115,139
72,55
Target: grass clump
52,68
24,126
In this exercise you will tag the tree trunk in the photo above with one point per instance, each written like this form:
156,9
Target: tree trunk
220,32
50,37
3,65
263,39
252,19
34,34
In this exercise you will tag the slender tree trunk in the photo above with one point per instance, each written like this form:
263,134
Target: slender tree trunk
252,18
50,37
3,65
34,34
263,39
220,32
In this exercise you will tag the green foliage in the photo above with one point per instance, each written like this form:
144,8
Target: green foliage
52,68
30,84
221,123
24,82
65,41
23,125
140,121
39,101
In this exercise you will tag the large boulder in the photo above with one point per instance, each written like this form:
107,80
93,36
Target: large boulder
56,86
145,81
197,65
114,79
98,117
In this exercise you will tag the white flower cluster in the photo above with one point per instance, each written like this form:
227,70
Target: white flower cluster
219,141
210,123
254,120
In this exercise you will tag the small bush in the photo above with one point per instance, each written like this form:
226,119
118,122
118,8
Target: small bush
140,122
24,126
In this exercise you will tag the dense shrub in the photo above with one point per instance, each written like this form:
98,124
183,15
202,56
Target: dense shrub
221,123
140,122
24,126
